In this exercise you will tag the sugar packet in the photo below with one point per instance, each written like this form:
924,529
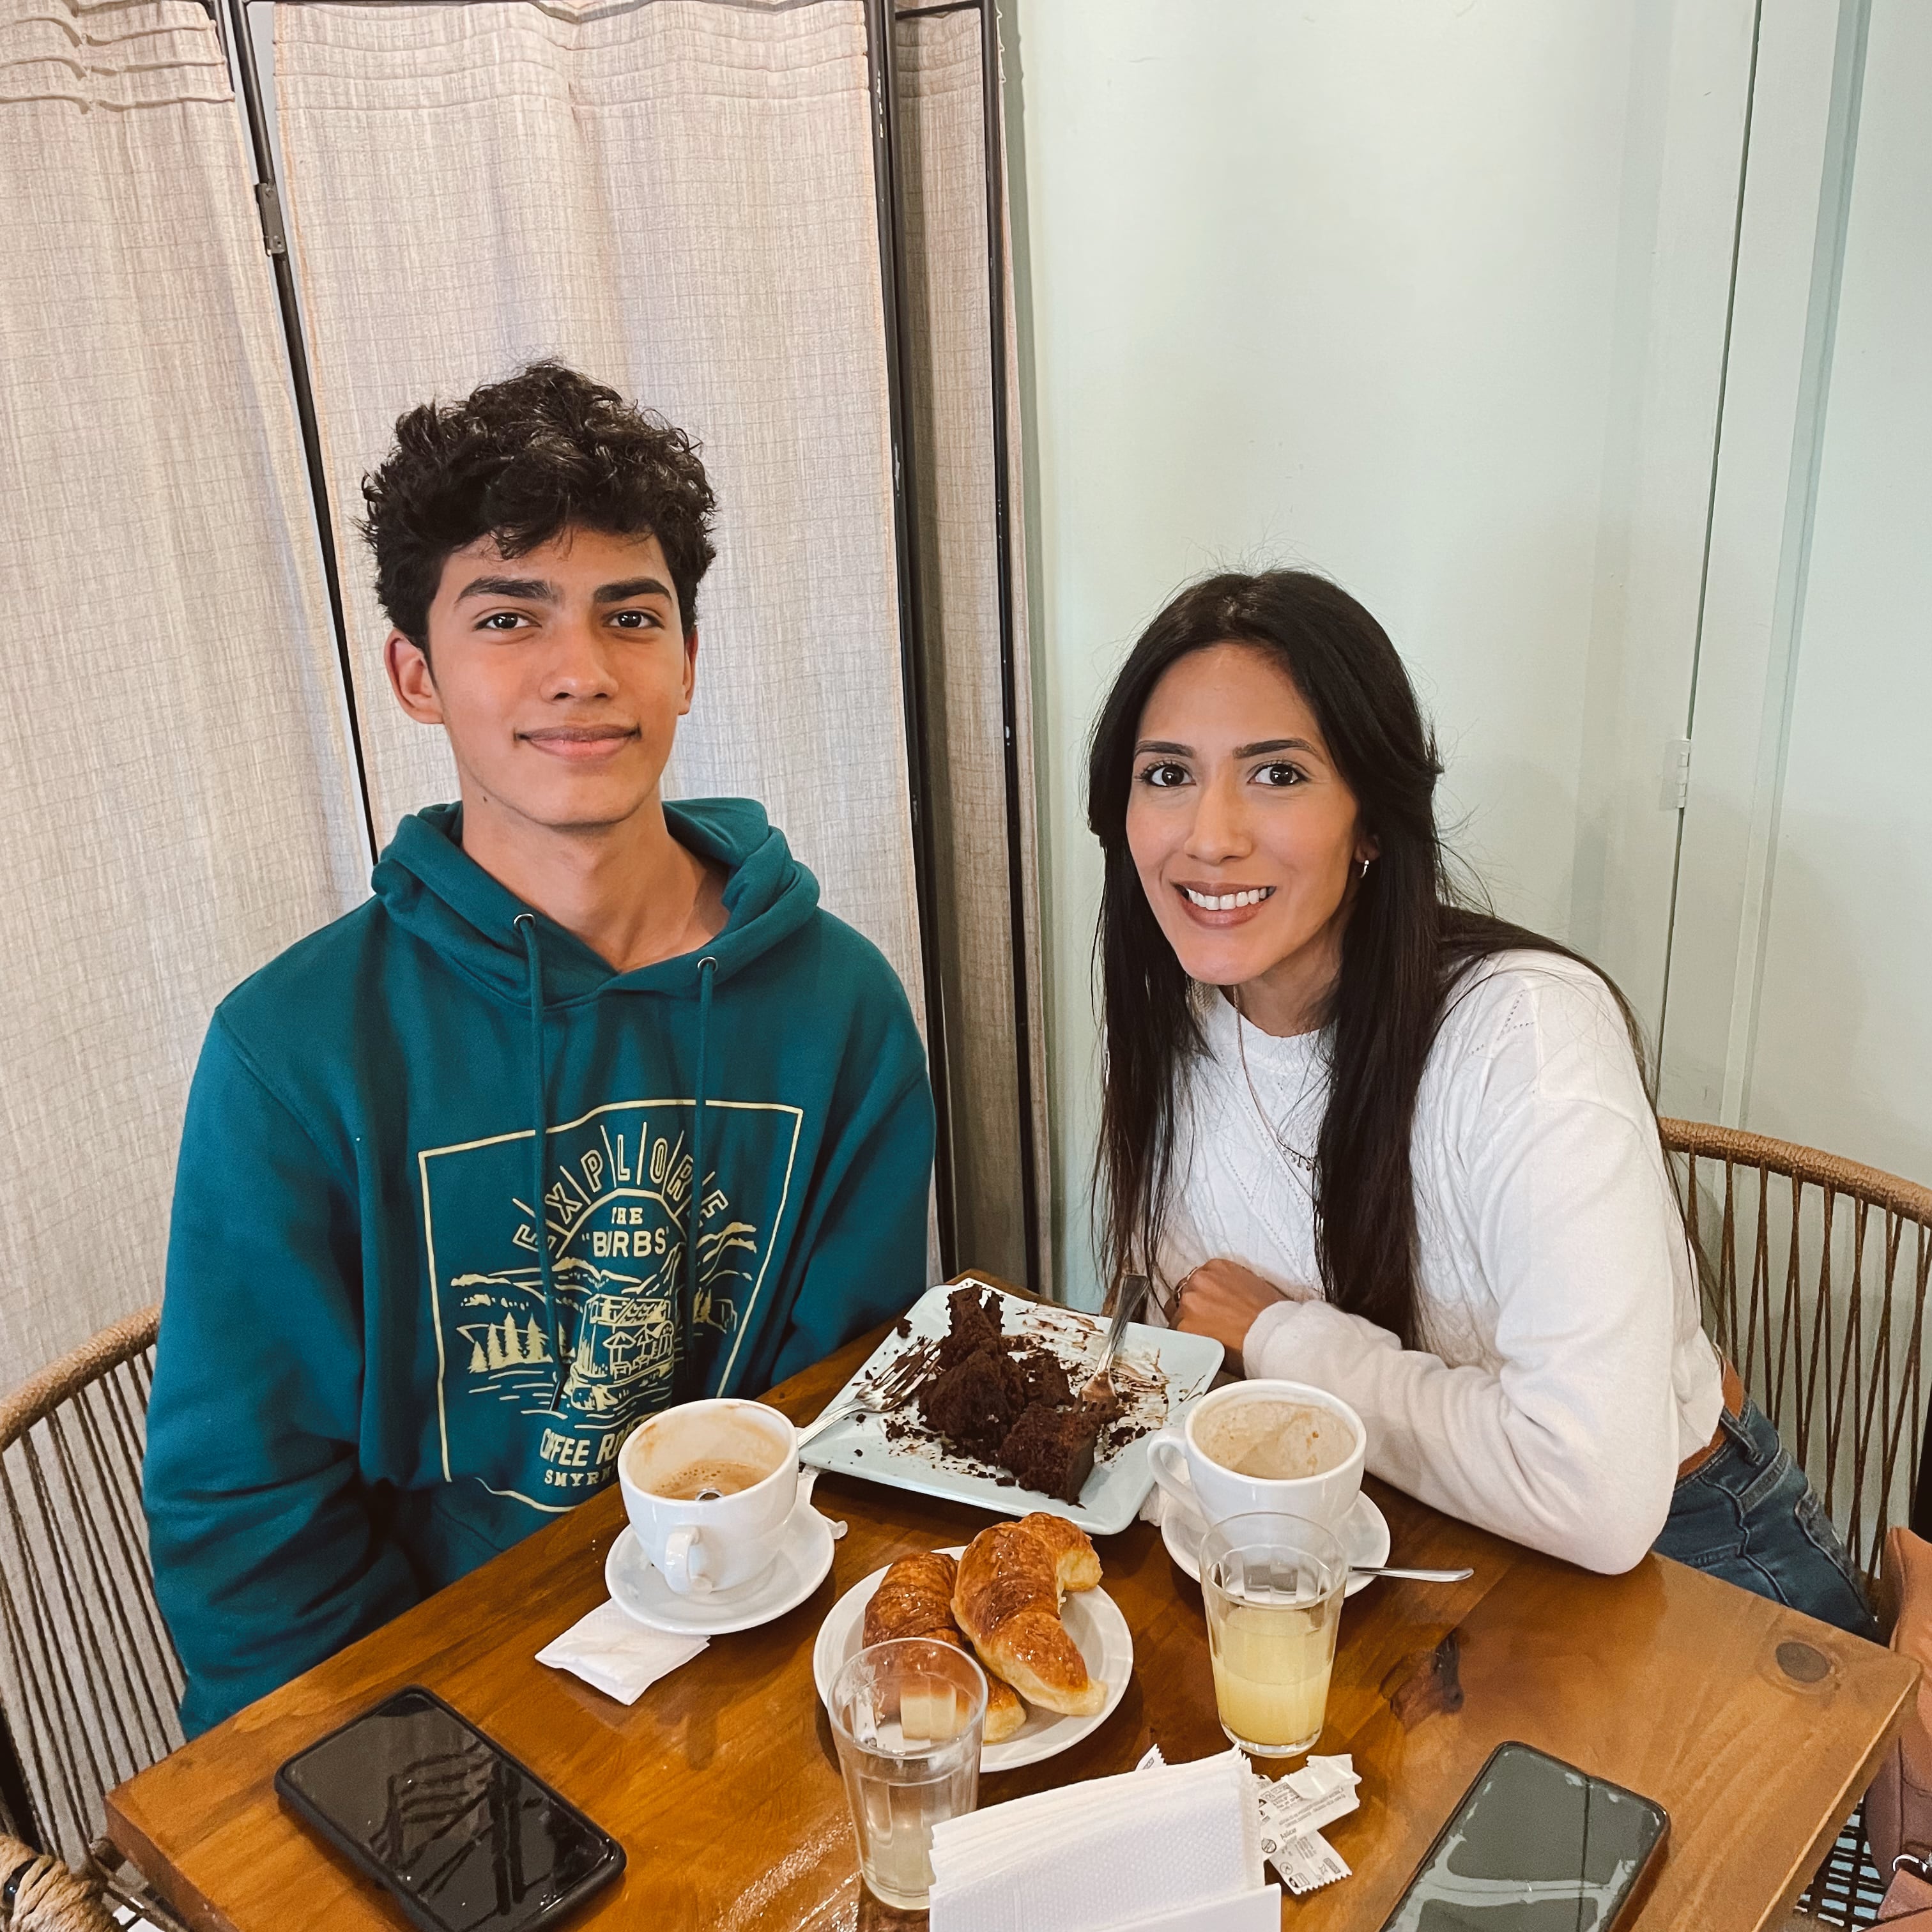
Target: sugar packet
1307,1863
1293,1810
1322,1791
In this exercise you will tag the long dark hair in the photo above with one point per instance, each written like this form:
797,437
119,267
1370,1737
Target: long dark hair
1409,937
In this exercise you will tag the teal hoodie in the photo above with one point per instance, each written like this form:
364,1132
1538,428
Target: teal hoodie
378,1366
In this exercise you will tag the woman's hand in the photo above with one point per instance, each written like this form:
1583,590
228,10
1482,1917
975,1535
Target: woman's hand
1221,1298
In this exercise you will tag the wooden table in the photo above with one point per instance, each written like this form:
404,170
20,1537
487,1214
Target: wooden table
1755,1727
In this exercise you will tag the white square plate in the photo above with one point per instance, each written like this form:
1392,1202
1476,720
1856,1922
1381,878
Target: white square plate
1118,1486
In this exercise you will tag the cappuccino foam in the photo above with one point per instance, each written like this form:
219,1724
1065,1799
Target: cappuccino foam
1274,1440
714,1473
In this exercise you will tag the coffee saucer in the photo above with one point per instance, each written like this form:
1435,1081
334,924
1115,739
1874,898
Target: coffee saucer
804,1556
1363,1534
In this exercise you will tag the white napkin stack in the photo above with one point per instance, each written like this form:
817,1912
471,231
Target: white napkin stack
1171,1846
615,1654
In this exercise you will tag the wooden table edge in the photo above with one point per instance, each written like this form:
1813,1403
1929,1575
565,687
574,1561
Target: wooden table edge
1852,1794
144,1855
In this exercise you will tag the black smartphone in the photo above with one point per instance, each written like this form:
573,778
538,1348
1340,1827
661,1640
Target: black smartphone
469,1840
1536,1846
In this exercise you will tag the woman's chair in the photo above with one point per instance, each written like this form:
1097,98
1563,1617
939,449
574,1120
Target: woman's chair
89,1681
1816,1274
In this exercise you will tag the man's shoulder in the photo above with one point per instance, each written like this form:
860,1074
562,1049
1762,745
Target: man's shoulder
316,981
855,968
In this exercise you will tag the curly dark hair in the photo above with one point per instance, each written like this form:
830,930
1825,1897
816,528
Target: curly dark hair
520,461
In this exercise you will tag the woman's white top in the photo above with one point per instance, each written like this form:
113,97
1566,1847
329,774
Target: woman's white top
1565,1372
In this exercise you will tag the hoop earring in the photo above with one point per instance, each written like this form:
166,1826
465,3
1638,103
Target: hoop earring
1364,872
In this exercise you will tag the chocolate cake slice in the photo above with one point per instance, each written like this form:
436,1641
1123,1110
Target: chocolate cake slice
1042,1378
1006,1400
973,1324
1052,1449
974,1403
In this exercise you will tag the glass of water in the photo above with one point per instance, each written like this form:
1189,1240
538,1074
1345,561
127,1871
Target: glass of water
1272,1586
907,1716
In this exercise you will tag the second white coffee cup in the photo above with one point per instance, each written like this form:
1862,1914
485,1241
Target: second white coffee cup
708,1487
1332,1441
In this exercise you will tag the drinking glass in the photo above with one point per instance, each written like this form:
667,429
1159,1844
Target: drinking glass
908,1716
1273,1586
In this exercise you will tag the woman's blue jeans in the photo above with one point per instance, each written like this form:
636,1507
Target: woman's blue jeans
1749,1516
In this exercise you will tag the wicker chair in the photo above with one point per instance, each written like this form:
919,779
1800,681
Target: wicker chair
89,1681
1815,1277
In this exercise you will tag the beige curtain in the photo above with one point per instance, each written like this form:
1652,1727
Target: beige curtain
176,800
940,92
677,197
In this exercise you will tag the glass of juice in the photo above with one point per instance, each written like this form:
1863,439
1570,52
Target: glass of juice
907,1715
1273,1586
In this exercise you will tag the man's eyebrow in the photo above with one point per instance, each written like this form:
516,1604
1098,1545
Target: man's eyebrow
631,586
529,589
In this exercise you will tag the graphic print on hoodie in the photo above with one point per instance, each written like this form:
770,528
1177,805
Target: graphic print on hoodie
391,1345
616,1206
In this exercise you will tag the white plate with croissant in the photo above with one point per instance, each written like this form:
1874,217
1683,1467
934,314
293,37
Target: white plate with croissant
1025,1597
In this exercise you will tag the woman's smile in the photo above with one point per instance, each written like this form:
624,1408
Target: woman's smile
1220,906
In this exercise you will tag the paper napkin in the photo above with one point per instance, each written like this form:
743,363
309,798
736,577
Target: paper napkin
1164,1844
613,1654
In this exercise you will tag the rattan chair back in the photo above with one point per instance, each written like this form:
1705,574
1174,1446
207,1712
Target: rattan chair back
89,1681
1815,1277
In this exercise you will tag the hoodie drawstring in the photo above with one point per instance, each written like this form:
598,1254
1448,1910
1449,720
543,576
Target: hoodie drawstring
527,924
687,1340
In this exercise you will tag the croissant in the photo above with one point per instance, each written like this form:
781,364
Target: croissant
1076,1562
1007,1600
914,1598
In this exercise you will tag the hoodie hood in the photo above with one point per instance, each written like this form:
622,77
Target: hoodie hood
431,887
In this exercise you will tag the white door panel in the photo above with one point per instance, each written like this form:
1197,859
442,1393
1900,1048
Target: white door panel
1802,948
1841,1055
1776,355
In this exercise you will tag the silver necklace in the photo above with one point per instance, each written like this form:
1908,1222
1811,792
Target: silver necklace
1293,1155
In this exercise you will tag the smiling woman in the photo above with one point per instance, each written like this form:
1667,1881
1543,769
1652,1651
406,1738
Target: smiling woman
1262,737
1378,1141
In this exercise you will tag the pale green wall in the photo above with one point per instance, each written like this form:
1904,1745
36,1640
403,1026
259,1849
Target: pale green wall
1332,284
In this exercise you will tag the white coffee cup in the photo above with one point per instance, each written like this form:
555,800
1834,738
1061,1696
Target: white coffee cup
1210,1493
701,1544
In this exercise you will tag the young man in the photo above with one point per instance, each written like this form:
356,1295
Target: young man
447,1162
